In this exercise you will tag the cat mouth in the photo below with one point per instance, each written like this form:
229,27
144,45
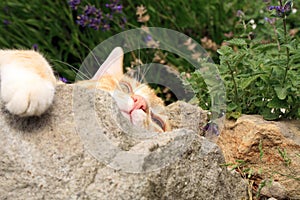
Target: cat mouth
139,104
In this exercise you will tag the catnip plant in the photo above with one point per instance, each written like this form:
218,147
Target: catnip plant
263,77
259,66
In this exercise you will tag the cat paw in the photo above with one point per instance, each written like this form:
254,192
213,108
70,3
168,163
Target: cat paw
26,93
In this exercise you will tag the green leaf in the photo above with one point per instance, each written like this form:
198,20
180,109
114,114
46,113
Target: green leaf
265,47
281,92
295,58
247,81
233,115
288,46
268,115
259,103
277,103
265,78
231,106
225,50
33,22
237,42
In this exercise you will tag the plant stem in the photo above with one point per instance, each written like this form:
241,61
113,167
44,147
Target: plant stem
276,37
234,83
287,49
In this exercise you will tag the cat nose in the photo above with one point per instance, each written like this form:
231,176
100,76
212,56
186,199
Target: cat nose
138,103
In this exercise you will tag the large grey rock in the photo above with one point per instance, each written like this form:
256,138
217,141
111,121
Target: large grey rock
77,152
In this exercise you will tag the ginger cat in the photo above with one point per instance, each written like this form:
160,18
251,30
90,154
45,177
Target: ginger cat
28,86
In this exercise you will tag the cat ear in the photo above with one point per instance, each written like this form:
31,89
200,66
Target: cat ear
113,65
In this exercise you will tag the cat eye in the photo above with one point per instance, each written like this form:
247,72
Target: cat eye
157,120
125,87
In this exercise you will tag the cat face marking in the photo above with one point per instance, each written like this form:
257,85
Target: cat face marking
136,101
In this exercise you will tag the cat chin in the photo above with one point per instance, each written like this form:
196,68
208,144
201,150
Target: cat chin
126,115
136,117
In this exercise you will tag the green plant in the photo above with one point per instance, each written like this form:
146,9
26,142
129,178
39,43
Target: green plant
262,78
284,156
241,166
51,28
263,184
260,148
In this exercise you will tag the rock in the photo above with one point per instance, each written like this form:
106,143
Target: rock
183,115
241,140
82,150
275,190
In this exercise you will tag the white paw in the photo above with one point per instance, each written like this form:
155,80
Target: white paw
24,92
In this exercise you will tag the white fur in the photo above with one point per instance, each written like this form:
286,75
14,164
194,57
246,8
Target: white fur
123,100
125,104
23,91
138,117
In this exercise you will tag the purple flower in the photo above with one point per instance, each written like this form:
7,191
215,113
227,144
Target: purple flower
148,38
95,23
282,11
35,47
94,18
74,4
114,6
277,8
63,79
212,127
288,7
240,13
109,16
6,22
83,20
90,10
106,27
270,20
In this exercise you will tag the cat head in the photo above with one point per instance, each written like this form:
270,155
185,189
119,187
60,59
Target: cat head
137,101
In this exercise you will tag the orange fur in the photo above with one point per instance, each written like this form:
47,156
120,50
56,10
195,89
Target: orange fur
29,59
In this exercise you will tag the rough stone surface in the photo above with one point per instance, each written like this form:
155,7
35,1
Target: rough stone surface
54,157
187,116
240,140
275,190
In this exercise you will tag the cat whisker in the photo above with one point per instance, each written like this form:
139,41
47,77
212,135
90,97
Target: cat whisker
142,73
138,74
79,73
139,67
94,56
146,70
